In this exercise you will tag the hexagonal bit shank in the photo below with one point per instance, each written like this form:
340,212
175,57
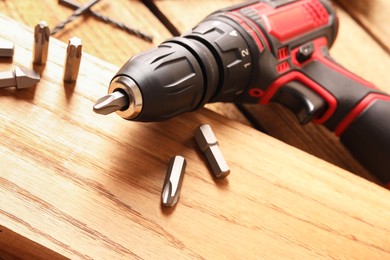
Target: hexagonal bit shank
41,43
73,59
208,143
19,77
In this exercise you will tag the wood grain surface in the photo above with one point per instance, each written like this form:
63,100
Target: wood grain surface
84,186
373,16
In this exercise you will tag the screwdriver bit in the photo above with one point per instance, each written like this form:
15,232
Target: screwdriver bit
41,43
127,102
73,59
19,77
208,144
111,103
6,49
108,20
173,181
81,10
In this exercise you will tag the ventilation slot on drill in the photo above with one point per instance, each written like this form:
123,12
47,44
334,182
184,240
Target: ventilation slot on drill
283,53
283,67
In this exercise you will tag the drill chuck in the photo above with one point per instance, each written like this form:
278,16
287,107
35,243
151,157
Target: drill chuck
166,81
132,105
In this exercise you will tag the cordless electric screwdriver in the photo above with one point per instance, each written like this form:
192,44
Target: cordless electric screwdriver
259,52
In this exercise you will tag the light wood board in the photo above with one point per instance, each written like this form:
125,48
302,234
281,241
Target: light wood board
88,186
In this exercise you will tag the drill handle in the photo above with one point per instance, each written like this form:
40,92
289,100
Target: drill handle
344,103
361,117
367,136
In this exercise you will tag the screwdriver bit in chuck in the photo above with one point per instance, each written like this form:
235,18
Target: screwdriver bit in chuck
41,43
125,99
111,103
73,59
19,77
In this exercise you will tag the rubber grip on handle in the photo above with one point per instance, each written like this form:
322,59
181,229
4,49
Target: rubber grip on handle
368,138
361,115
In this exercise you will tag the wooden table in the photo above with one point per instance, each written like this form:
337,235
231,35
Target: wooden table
74,184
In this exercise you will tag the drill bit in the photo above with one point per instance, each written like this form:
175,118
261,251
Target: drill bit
81,10
173,181
108,20
209,145
111,103
6,49
41,43
73,58
19,77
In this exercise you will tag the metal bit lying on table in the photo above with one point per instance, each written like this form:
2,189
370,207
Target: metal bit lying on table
208,143
19,77
73,59
108,20
173,181
81,10
6,49
41,43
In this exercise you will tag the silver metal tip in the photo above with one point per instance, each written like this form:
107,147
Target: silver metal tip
208,144
111,103
173,181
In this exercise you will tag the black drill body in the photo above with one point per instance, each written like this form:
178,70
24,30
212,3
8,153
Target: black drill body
218,61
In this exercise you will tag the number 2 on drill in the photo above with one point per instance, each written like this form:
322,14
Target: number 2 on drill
244,53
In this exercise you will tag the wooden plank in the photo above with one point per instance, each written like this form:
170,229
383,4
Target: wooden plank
373,15
15,246
354,49
88,186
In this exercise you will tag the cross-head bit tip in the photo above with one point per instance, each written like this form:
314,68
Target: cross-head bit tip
41,32
75,46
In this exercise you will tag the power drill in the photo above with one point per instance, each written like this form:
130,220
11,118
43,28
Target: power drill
259,52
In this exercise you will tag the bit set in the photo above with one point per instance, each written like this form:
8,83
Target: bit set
208,144
23,78
19,77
